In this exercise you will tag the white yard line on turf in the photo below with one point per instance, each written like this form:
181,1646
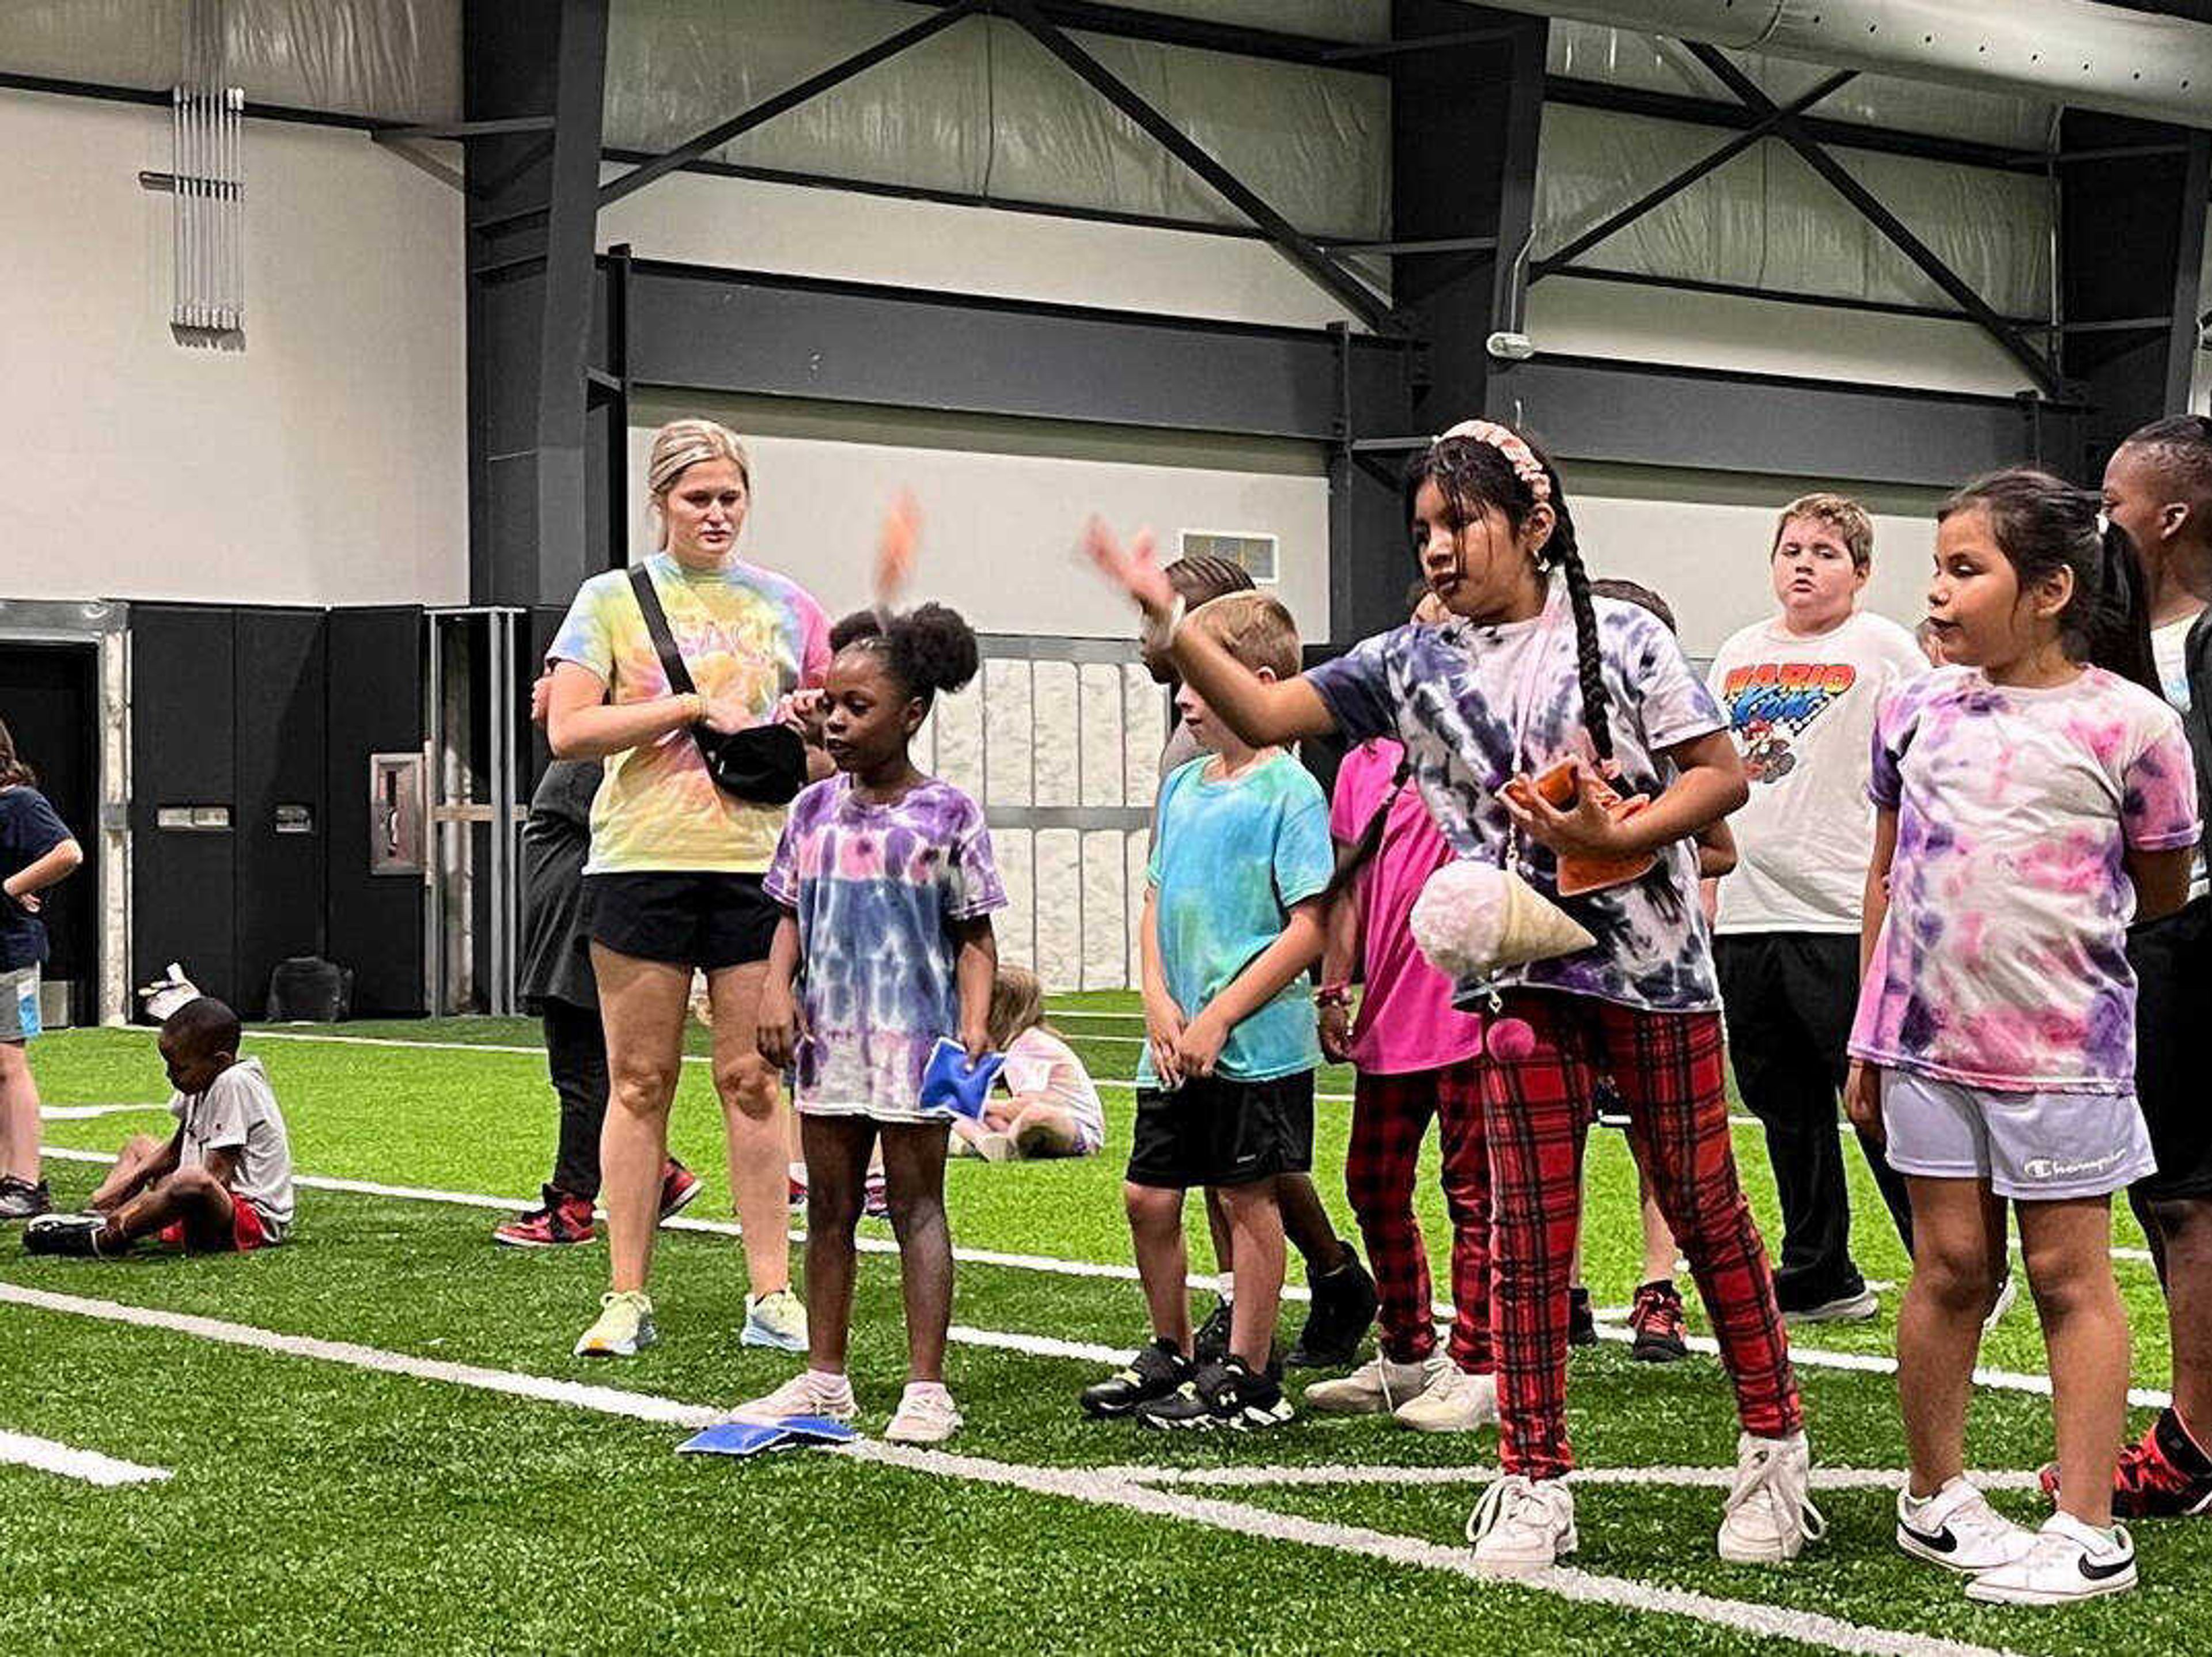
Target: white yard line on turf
1713,1478
86,1113
1091,1487
1809,1357
89,1467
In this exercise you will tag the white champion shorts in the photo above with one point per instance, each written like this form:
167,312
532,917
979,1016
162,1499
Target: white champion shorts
2034,1147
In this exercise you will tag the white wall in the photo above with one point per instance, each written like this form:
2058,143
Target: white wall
325,463
843,235
1002,501
1713,331
1701,540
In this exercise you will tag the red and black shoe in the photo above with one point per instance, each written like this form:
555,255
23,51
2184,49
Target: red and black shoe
2165,1474
561,1221
679,1185
1657,1320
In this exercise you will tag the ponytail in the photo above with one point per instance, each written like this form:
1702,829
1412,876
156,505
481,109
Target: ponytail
15,772
2120,625
1565,550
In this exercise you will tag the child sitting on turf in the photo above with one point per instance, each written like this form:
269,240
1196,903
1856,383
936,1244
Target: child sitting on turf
1240,858
1052,1107
220,1184
887,884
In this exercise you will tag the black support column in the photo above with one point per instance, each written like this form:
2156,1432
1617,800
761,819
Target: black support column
2132,213
532,292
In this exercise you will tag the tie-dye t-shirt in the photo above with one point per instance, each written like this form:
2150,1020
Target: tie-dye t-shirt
876,890
739,628
1473,703
1229,857
2003,962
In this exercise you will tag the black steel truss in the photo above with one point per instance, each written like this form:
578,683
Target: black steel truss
1790,129
1758,129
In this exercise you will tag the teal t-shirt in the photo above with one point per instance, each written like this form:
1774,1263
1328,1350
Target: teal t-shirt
1228,860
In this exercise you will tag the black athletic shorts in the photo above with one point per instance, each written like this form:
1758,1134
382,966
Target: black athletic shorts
702,920
1213,1132
2173,959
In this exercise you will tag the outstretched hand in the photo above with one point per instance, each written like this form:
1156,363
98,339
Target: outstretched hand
897,542
1134,568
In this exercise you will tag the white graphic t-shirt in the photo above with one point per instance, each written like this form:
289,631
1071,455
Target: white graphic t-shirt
1801,710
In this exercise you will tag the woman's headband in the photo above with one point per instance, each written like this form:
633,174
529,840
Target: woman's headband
1510,444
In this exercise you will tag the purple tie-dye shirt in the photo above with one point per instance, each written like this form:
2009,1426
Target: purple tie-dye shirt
876,890
2003,962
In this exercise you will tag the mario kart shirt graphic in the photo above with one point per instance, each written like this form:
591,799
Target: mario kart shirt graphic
1770,703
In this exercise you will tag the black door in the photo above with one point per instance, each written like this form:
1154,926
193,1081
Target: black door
50,699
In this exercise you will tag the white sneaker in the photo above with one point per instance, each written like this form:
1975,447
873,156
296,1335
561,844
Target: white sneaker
809,1392
926,1415
1769,1514
1844,1308
1522,1525
1453,1402
1376,1386
623,1328
2069,1561
1957,1529
776,1320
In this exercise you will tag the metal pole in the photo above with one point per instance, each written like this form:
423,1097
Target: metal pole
176,203
434,832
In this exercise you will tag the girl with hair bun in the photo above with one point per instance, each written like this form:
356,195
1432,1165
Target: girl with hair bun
673,880
886,883
1529,670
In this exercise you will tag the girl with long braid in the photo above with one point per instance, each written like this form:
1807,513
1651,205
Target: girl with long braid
1531,671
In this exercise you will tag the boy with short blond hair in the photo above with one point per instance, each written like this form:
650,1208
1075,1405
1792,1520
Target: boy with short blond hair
1801,691
1240,858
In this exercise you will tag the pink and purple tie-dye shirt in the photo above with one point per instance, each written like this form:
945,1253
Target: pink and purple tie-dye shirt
876,890
2003,962
741,628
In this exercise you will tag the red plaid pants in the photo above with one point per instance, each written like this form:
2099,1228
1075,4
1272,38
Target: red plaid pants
1389,1114
1668,1068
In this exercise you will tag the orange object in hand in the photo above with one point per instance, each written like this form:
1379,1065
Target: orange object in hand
1560,786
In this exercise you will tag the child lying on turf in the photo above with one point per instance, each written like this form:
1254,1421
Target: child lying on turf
222,1183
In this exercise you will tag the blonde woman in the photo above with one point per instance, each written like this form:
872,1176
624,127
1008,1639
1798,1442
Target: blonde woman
673,883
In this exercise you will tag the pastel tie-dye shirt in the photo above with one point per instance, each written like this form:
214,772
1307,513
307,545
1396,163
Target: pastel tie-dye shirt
2003,962
739,628
876,890
1473,703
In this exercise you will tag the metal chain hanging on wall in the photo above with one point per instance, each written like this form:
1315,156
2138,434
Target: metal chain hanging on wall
207,129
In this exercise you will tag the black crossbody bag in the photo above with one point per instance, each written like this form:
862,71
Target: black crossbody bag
763,764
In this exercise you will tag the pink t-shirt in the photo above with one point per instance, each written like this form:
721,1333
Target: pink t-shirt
1407,1021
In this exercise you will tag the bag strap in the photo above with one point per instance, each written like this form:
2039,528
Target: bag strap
656,625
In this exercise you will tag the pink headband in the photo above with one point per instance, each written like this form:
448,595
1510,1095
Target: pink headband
1510,444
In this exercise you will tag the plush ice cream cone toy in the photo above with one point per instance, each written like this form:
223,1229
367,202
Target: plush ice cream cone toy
1475,919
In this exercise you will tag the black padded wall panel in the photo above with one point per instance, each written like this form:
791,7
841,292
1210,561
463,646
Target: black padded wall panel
375,706
282,773
183,759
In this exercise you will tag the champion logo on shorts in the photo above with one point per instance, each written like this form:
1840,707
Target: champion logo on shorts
2046,1168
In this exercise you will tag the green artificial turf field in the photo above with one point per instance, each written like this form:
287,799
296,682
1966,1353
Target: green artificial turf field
354,1463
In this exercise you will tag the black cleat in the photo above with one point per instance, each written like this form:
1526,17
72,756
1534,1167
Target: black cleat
20,1199
1223,1396
1343,1303
76,1234
1154,1372
1211,1343
1582,1327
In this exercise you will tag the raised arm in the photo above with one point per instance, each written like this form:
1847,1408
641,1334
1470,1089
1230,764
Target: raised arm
1263,712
